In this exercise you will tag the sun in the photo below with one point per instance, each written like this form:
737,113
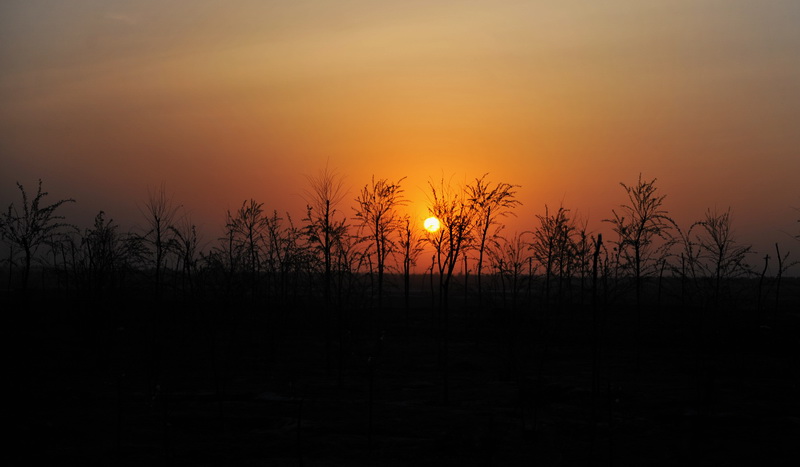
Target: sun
431,224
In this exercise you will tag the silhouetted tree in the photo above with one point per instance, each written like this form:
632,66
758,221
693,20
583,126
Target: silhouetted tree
349,261
187,249
456,214
583,247
226,257
248,227
410,248
721,257
687,268
31,226
783,266
509,260
376,211
286,255
322,228
57,243
551,244
102,254
159,213
639,224
490,202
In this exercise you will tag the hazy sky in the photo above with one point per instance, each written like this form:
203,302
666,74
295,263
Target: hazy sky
228,100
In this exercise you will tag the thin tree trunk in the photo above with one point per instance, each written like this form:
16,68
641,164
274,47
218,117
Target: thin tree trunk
780,274
595,337
760,284
26,272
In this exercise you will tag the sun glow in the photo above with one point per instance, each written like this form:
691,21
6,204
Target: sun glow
431,224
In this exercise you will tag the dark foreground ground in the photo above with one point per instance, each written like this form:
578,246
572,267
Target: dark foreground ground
123,382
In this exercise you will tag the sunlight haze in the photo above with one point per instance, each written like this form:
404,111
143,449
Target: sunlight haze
226,101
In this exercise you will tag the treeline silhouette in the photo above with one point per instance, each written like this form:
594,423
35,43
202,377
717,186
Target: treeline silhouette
267,254
324,313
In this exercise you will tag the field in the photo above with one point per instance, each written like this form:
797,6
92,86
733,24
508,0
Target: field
126,379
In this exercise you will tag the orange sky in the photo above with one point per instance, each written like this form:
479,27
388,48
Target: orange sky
225,101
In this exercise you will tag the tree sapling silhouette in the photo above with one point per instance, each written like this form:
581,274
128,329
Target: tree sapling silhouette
552,242
159,213
325,192
456,216
30,228
490,203
783,266
187,248
721,257
509,260
638,224
102,254
376,211
248,228
688,269
286,255
410,243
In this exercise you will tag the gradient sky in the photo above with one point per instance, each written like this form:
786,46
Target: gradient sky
228,100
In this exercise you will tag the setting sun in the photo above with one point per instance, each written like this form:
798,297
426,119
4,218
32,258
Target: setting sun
431,224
